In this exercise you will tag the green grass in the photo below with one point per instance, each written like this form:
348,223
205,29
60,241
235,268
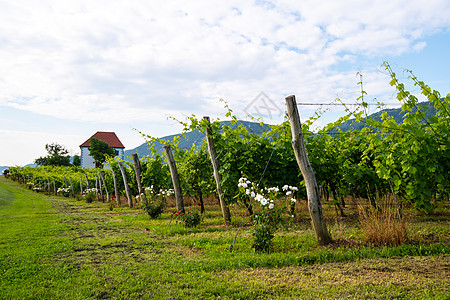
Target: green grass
60,248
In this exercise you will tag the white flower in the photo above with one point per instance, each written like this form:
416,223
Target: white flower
271,205
264,201
288,193
285,187
259,197
247,191
242,184
252,194
293,200
273,189
294,188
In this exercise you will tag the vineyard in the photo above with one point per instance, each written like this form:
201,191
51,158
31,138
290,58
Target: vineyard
243,201
407,161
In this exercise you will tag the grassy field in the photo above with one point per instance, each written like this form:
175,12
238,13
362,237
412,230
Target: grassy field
61,248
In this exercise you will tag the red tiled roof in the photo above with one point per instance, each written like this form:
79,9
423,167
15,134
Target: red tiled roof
109,137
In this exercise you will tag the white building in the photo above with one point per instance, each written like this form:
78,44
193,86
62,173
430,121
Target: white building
108,137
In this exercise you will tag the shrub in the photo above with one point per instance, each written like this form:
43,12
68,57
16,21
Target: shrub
111,203
154,202
90,195
64,191
191,217
271,209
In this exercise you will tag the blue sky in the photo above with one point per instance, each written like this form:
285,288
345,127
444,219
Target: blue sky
71,68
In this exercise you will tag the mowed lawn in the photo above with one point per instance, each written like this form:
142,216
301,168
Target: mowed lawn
60,248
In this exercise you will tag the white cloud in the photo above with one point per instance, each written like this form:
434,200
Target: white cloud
19,143
140,61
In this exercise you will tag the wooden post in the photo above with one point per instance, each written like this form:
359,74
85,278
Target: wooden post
116,190
54,186
175,178
71,186
97,188
215,163
137,170
65,181
312,189
49,186
87,181
102,176
125,183
81,185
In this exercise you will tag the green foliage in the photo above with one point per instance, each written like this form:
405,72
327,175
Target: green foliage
57,156
155,172
413,156
262,237
100,151
76,160
56,176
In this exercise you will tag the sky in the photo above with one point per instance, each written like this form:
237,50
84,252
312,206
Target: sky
71,68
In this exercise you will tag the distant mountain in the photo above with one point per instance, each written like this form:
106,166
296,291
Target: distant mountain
191,137
396,113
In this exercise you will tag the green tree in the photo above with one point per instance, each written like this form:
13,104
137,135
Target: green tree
76,160
57,156
100,151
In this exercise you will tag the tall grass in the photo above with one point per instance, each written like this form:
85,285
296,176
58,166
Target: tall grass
383,224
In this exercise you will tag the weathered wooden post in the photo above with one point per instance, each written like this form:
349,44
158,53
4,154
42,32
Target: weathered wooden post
102,176
65,181
98,187
215,163
71,186
125,183
175,178
116,190
87,181
137,171
312,189
54,187
81,185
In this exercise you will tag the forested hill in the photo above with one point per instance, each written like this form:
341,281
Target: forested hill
396,113
197,137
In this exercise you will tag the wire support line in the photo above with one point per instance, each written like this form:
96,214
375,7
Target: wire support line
344,104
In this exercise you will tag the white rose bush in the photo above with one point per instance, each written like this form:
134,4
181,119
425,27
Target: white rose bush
272,208
155,201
